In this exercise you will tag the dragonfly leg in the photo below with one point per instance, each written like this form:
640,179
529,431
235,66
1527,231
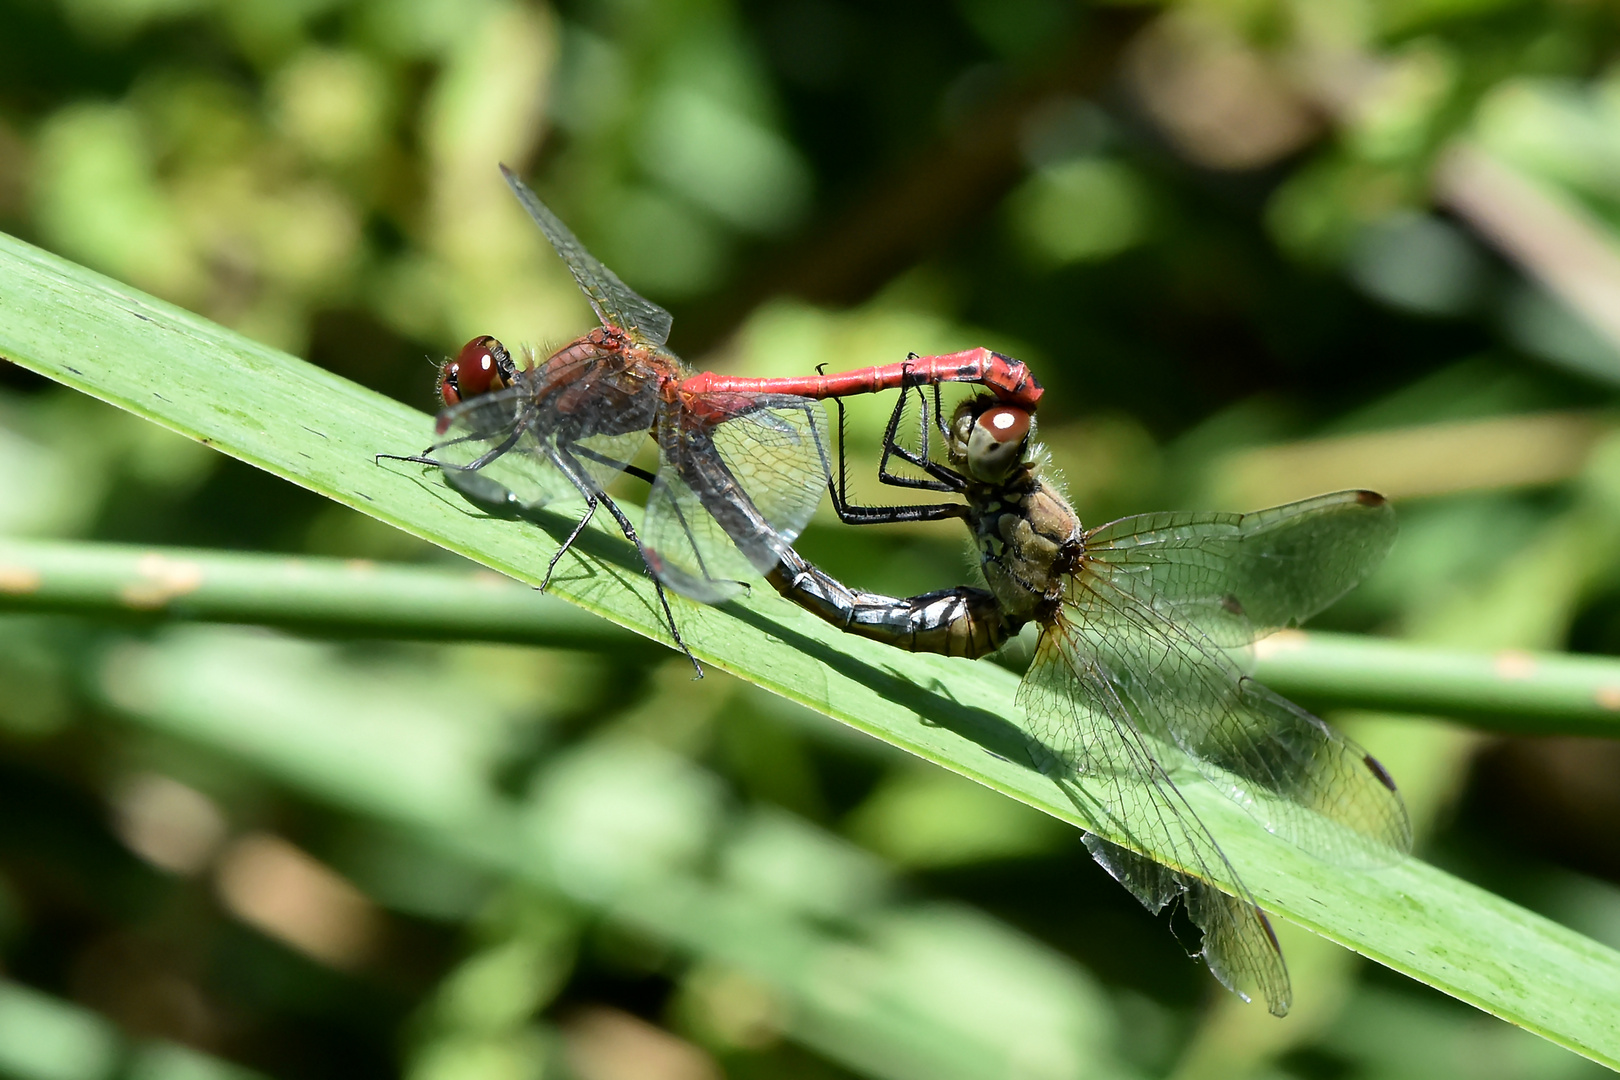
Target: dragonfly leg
591,500
564,460
495,451
590,512
419,459
472,466
942,478
851,513
629,531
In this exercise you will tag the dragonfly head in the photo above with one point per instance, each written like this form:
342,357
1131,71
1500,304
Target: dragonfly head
482,366
990,438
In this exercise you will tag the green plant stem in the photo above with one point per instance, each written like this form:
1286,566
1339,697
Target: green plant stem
330,597
1532,693
1536,693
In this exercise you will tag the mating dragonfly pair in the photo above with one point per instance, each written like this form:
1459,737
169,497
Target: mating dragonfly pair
1131,679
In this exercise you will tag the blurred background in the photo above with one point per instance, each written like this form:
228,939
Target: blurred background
1255,249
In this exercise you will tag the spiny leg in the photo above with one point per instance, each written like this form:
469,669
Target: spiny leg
629,531
569,466
944,479
590,512
852,514
591,500
472,466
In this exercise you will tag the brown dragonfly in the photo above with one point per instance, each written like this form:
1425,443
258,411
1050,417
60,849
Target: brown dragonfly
1132,679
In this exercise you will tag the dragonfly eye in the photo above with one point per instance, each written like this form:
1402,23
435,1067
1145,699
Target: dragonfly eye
483,365
996,444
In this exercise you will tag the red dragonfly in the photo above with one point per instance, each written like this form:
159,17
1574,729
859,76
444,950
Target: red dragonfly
742,461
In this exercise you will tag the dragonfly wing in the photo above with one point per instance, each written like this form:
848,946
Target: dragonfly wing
1239,945
1084,729
1293,773
615,303
493,448
686,547
777,449
731,497
500,448
599,458
1236,577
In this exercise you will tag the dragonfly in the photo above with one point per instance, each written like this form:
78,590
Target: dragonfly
1132,682
742,462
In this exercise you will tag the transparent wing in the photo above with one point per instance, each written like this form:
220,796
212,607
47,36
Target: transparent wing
1084,728
686,547
615,303
1293,773
1236,577
776,448
731,498
502,447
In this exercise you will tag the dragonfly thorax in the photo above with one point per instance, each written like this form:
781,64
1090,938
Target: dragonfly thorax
1022,526
1027,535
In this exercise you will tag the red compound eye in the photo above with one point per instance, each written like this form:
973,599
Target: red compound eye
995,445
1005,424
481,366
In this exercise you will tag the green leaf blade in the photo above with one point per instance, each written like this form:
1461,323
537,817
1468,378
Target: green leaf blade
321,432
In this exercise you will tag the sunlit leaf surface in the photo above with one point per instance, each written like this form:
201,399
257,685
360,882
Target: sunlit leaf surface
320,431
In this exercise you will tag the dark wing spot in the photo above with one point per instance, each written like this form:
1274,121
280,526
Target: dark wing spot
1379,771
1232,604
1370,498
1270,933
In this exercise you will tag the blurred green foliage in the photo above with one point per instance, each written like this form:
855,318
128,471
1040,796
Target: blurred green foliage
1247,246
